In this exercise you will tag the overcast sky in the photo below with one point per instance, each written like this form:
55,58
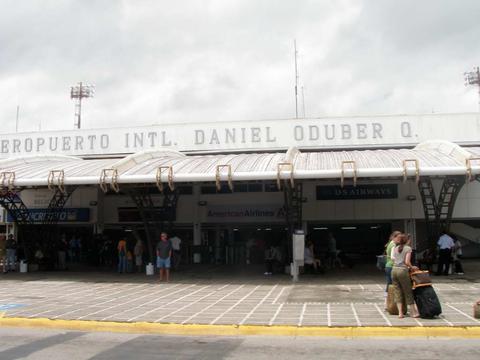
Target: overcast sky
156,62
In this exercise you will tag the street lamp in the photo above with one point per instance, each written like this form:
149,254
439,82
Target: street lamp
473,78
79,92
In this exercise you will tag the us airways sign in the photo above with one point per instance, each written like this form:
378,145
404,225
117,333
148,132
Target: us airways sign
321,133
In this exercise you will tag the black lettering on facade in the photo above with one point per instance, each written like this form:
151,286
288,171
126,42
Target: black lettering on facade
28,145
406,129
199,137
377,130
298,133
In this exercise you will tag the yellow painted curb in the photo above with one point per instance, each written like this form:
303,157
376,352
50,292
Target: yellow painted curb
232,330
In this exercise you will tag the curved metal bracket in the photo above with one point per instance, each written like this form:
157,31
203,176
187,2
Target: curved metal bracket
353,168
158,177
229,175
56,178
112,175
468,163
7,179
281,167
405,169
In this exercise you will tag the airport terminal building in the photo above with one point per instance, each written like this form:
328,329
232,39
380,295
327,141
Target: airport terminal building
228,189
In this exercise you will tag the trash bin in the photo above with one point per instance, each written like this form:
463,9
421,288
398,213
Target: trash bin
197,258
23,267
150,269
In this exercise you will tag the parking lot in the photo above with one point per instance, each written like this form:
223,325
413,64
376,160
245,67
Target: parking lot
214,297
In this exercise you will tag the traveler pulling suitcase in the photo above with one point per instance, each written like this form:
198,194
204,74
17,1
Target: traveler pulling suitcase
427,302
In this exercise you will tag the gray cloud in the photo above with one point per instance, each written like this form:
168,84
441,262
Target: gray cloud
159,62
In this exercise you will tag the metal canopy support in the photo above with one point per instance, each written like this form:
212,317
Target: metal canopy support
353,168
160,171
17,209
109,177
281,167
153,218
468,164
218,176
293,196
406,168
56,179
56,204
438,212
7,179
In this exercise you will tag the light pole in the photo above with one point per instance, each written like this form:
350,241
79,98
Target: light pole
473,78
79,92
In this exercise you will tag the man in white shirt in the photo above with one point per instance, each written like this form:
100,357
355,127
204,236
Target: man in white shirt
177,255
445,245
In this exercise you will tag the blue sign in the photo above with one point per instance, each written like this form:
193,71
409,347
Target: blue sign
64,215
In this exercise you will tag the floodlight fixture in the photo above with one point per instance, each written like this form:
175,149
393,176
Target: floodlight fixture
473,78
79,92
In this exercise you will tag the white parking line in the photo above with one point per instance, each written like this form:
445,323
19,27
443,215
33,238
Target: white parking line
461,312
329,315
279,294
105,302
302,314
211,305
272,320
233,306
192,303
443,318
357,319
171,302
258,305
114,306
383,315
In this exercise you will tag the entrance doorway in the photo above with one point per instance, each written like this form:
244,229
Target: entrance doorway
357,242
239,244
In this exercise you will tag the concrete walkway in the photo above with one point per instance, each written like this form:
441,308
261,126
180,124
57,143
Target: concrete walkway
219,296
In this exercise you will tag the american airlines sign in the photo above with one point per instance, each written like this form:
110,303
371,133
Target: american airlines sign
321,133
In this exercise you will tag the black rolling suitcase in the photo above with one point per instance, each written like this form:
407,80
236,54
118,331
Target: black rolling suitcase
427,302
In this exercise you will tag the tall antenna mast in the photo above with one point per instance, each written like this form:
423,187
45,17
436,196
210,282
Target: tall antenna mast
303,103
16,120
296,79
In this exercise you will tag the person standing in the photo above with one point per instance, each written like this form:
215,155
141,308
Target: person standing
138,251
445,244
401,257
122,255
392,241
332,251
164,254
177,254
62,253
11,253
457,255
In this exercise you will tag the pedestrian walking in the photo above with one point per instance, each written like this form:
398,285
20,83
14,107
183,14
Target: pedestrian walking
446,245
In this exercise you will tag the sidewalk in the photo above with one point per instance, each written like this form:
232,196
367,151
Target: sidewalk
215,296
